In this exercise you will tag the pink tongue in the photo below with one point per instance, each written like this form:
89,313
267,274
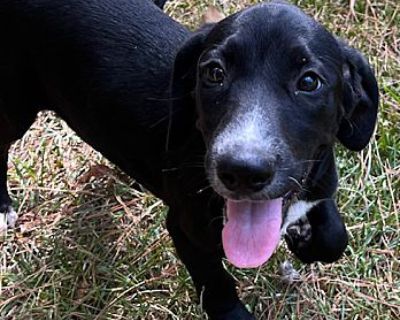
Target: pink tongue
252,232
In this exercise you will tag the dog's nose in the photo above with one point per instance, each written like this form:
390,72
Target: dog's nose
244,174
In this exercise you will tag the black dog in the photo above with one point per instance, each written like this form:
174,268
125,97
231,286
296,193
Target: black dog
261,96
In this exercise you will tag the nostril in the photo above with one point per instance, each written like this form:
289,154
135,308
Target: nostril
258,181
228,179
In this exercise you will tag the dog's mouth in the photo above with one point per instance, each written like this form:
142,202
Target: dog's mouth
252,230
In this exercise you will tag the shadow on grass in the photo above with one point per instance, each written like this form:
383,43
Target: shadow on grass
102,254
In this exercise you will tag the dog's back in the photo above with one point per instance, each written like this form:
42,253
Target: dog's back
80,45
104,68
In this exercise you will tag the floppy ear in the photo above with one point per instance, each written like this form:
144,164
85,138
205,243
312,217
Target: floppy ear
183,82
183,79
360,100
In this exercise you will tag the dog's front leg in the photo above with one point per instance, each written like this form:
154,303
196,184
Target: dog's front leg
214,286
319,234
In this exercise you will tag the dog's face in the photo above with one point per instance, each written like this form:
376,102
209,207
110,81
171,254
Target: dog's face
272,88
268,95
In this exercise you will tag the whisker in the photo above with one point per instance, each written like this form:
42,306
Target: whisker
166,98
306,161
221,217
204,189
297,183
191,165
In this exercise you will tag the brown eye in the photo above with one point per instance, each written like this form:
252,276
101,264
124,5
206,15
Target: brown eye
213,74
309,82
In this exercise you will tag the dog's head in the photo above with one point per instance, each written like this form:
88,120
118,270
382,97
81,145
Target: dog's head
271,88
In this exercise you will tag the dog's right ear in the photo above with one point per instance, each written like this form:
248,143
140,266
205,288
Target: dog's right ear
184,74
182,108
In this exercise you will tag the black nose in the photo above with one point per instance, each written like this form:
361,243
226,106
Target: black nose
244,174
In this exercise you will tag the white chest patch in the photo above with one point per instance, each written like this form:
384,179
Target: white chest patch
296,211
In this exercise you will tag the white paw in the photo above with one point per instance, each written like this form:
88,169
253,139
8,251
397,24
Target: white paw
296,212
8,219
288,274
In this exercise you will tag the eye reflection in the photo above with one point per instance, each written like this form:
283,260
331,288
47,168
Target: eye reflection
309,82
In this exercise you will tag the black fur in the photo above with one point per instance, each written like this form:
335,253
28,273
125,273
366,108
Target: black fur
328,232
126,78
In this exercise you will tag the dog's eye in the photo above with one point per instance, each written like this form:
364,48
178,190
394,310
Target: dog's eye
309,82
213,74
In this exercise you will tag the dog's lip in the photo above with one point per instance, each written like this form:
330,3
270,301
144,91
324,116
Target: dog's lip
253,198
287,197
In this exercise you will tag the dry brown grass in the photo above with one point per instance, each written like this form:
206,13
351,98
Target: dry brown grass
88,246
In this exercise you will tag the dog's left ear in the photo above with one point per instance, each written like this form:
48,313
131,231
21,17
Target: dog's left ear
360,100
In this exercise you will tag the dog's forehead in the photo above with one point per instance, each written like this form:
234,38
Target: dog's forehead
273,33
270,25
275,15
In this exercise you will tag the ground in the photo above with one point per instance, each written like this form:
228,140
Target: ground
88,246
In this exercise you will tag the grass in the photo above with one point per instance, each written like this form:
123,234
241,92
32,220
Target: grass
88,246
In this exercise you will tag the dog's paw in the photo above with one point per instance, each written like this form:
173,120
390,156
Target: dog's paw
299,234
8,218
316,232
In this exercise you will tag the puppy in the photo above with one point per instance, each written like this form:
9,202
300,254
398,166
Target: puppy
251,106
